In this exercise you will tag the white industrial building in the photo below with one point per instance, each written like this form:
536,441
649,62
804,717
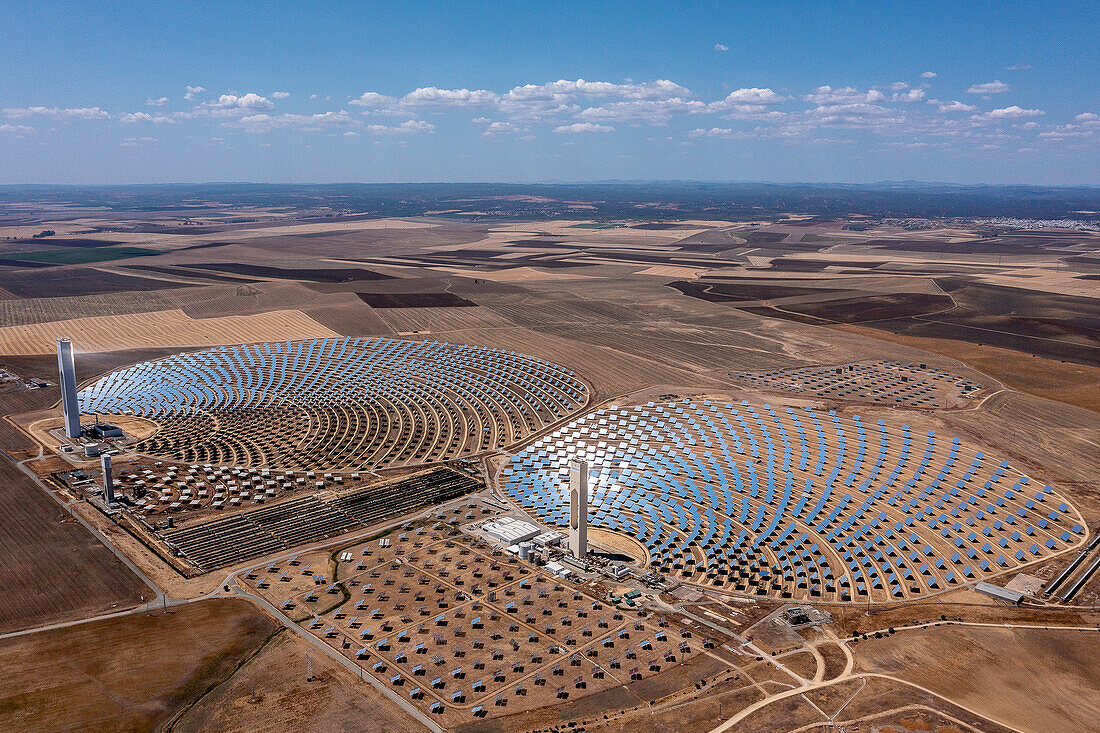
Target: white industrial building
549,539
558,569
509,530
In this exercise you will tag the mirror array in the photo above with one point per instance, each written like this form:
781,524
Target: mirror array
882,381
796,503
338,403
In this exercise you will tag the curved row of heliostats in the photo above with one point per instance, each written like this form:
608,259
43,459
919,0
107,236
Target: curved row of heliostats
796,503
785,502
343,404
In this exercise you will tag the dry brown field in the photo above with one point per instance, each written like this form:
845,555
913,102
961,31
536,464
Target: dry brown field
54,569
1052,379
1033,679
127,674
643,308
499,616
882,705
271,692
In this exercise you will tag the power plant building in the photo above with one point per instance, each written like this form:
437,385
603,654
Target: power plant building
510,531
66,369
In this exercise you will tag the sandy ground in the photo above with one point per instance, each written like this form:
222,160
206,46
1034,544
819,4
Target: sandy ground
53,570
1034,679
619,542
515,274
669,271
137,427
159,328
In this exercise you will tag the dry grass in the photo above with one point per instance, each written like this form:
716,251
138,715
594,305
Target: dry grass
406,320
127,674
1073,384
285,701
1034,679
166,328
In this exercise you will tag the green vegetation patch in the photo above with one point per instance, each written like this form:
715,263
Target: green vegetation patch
83,255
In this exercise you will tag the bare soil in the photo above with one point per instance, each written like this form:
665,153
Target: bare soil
272,692
127,674
1033,679
54,569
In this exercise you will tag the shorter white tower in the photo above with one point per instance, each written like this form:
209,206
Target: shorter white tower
108,480
66,369
578,508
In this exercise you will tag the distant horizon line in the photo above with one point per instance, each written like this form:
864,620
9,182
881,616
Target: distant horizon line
594,182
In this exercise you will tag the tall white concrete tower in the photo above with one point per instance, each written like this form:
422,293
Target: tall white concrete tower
66,368
578,508
108,479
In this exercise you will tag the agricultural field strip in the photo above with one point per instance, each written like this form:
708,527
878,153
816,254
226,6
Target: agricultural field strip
166,328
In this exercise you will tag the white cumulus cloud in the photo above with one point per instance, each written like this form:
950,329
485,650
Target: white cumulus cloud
405,128
721,47
712,132
159,102
563,89
86,113
826,94
584,127
910,95
654,110
434,96
249,101
280,95
193,92
374,100
265,122
990,87
752,95
928,75
1013,112
956,106
146,117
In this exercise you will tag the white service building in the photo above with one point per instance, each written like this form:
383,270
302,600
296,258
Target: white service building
509,530
549,539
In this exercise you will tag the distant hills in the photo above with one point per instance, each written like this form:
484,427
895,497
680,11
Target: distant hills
649,200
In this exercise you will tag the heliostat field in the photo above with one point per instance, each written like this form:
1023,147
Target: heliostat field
338,403
796,503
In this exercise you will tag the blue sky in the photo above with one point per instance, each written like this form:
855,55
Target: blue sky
997,92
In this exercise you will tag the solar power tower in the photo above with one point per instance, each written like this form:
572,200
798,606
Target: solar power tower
108,479
578,508
66,367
